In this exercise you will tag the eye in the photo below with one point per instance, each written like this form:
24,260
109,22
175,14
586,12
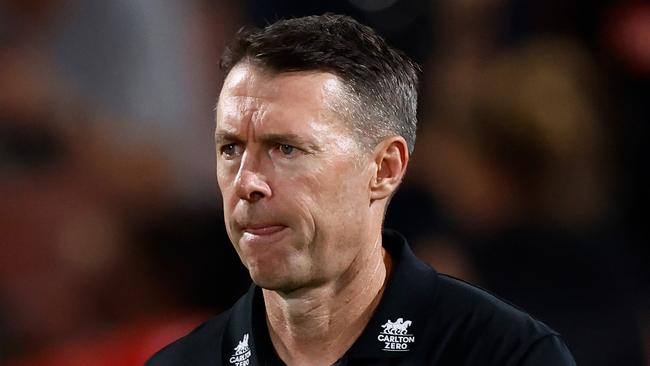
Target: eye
229,150
286,149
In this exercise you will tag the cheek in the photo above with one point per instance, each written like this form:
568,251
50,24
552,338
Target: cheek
225,181
224,172
228,197
297,201
334,194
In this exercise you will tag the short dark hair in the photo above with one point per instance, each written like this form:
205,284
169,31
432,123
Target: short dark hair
381,82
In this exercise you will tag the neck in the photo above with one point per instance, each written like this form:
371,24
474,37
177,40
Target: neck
317,326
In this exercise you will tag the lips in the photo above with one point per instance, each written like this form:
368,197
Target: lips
261,230
262,234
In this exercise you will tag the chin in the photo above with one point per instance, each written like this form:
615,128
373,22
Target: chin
273,281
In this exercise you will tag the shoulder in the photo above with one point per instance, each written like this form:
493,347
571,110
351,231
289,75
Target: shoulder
464,300
201,346
480,325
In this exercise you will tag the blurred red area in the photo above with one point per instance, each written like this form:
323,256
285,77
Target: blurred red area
627,34
128,346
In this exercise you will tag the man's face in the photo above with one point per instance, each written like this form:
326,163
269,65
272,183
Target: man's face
295,182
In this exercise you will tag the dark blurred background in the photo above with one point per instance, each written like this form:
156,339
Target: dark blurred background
529,176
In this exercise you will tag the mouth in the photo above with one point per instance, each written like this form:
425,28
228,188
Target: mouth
262,234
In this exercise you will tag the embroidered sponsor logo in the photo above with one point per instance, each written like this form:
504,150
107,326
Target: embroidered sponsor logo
242,353
395,335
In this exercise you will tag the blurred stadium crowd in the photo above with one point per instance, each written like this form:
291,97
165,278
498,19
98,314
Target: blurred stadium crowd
529,176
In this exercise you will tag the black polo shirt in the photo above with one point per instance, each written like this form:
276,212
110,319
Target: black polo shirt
423,318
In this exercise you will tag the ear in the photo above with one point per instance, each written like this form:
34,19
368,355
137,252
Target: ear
391,158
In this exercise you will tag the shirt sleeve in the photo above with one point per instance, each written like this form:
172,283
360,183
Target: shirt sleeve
549,350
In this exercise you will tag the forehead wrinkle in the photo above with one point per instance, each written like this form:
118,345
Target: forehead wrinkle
257,119
241,122
236,108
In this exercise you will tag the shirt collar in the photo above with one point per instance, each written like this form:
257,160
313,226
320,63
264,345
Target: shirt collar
393,330
407,299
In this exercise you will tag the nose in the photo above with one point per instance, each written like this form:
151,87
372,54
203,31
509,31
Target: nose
251,184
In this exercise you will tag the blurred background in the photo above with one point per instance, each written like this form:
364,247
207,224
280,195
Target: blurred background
529,176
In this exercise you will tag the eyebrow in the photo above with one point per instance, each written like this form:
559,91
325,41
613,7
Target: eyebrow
289,138
224,136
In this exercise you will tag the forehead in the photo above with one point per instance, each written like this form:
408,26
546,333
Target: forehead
248,89
269,83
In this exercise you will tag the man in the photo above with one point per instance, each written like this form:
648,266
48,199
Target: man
315,125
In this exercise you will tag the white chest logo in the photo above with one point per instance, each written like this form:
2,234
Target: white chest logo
242,353
395,336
